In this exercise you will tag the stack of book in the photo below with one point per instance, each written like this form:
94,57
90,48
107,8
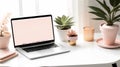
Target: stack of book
6,54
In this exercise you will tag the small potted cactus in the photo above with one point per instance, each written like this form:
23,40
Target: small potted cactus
72,37
4,34
64,23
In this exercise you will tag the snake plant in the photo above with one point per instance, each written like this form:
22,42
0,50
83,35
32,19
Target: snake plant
108,12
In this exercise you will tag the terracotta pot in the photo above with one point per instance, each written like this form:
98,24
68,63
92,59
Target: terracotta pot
4,41
109,33
72,40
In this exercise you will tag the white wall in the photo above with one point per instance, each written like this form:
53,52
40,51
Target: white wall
85,16
94,23
43,7
27,7
78,13
9,6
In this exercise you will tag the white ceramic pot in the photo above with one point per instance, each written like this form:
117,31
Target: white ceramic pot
109,33
4,41
62,35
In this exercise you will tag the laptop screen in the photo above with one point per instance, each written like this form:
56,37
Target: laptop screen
29,30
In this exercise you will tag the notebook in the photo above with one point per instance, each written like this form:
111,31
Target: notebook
6,54
33,36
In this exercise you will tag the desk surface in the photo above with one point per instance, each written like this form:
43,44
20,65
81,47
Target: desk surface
84,53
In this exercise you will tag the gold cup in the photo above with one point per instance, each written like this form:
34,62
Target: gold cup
88,32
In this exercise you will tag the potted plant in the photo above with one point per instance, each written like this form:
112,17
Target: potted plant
72,37
4,34
108,13
63,24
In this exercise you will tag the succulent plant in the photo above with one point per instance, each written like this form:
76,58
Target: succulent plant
3,27
64,22
1,32
71,33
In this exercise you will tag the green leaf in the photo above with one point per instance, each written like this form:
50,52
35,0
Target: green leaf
64,22
114,3
97,18
116,17
116,8
61,27
58,20
98,10
64,19
107,7
117,20
69,20
99,15
104,5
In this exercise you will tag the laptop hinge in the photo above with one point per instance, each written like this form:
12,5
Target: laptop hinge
35,45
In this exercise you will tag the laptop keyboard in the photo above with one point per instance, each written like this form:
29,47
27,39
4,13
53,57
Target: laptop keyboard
31,49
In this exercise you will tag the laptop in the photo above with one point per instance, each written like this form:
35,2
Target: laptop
34,36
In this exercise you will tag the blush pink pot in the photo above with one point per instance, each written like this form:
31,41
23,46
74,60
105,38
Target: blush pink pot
109,33
4,41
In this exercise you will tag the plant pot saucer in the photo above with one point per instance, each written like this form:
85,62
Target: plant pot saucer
115,45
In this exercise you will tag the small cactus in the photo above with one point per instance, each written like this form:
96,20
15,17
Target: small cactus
71,33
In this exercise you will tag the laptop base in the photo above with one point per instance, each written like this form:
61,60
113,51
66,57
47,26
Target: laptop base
43,53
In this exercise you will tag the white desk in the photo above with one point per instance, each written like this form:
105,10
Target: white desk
84,53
